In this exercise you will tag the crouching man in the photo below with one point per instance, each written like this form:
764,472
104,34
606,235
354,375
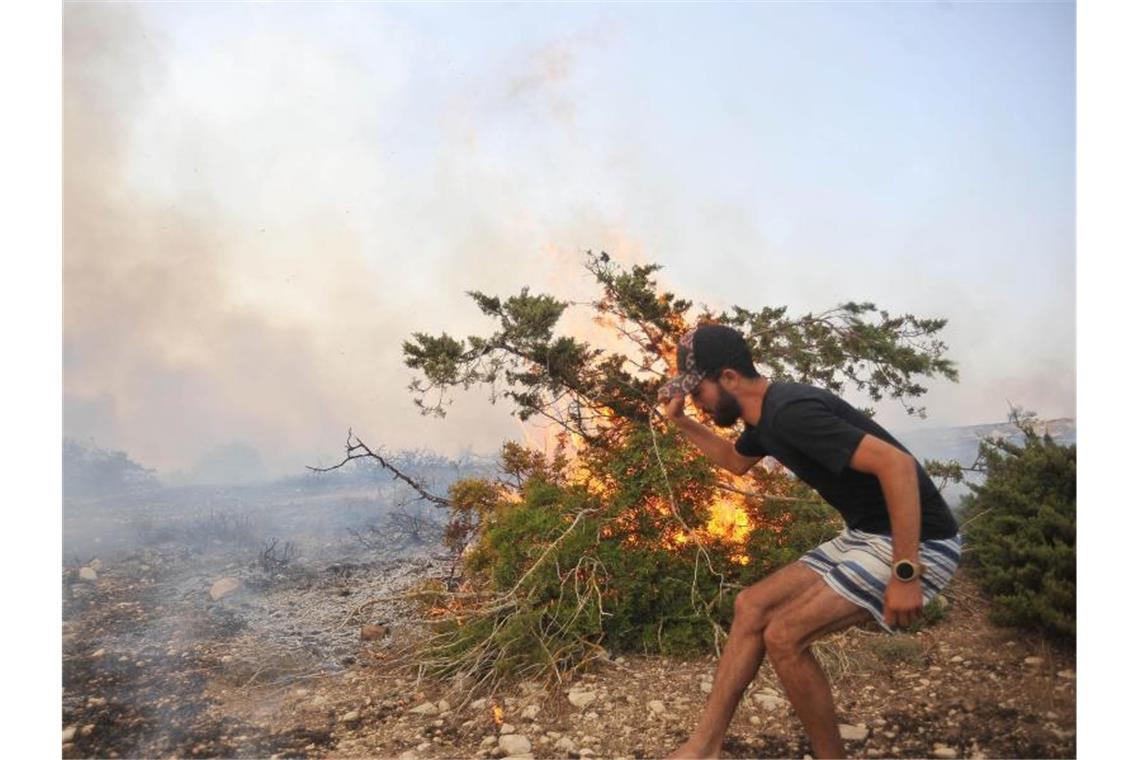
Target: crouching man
899,548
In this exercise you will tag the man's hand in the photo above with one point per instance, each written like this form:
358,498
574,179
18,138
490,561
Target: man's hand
675,407
902,602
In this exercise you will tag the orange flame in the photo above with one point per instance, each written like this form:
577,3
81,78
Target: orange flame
497,714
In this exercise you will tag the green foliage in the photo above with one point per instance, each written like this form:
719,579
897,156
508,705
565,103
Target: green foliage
584,388
1021,530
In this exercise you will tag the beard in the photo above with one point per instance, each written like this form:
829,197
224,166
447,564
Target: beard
727,410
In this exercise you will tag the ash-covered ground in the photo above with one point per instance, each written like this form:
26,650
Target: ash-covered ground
171,596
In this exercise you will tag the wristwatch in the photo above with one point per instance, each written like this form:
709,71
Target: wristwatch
906,571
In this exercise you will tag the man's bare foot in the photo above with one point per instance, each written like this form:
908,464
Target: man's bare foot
693,749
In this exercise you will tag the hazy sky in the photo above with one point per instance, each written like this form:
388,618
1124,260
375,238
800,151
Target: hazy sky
262,201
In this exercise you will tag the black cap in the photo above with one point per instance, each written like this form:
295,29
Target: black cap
703,351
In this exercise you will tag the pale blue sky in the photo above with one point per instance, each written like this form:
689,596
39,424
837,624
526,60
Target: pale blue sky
307,184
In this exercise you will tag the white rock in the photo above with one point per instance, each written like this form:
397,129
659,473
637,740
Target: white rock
506,728
565,745
852,733
530,712
350,717
768,701
581,698
479,704
942,751
88,574
224,587
422,747
656,706
706,687
514,744
956,658
1066,674
320,701
443,705
68,734
489,741
754,720
1033,662
591,715
427,708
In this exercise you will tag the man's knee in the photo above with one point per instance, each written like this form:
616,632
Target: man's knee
782,639
752,609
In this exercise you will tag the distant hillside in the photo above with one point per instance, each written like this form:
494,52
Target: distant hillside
961,443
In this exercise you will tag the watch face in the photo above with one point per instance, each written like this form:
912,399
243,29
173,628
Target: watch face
905,571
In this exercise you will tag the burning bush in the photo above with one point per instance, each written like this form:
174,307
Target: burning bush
626,538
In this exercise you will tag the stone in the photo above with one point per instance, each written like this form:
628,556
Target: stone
1066,674
443,705
706,687
88,574
373,632
581,698
565,744
479,704
489,741
69,734
956,658
514,744
87,730
940,750
1034,662
506,728
96,565
223,587
423,746
320,701
755,720
350,717
852,733
656,706
768,701
427,708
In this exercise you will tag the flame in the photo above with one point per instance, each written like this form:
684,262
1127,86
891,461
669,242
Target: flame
497,714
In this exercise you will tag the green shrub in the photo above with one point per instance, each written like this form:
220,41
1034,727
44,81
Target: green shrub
1020,530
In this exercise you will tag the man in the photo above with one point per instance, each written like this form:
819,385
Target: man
899,548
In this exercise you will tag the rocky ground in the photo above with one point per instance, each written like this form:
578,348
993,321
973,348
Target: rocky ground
172,653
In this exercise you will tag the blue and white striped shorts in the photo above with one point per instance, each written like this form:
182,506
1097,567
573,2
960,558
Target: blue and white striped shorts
857,566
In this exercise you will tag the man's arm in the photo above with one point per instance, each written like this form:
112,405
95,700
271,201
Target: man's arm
897,472
719,451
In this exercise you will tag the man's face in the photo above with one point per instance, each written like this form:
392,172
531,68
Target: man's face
718,402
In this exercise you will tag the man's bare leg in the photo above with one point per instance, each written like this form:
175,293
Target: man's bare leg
743,653
788,639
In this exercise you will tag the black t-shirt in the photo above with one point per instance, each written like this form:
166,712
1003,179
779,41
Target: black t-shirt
814,433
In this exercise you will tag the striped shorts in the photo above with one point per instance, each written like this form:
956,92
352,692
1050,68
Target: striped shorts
857,566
